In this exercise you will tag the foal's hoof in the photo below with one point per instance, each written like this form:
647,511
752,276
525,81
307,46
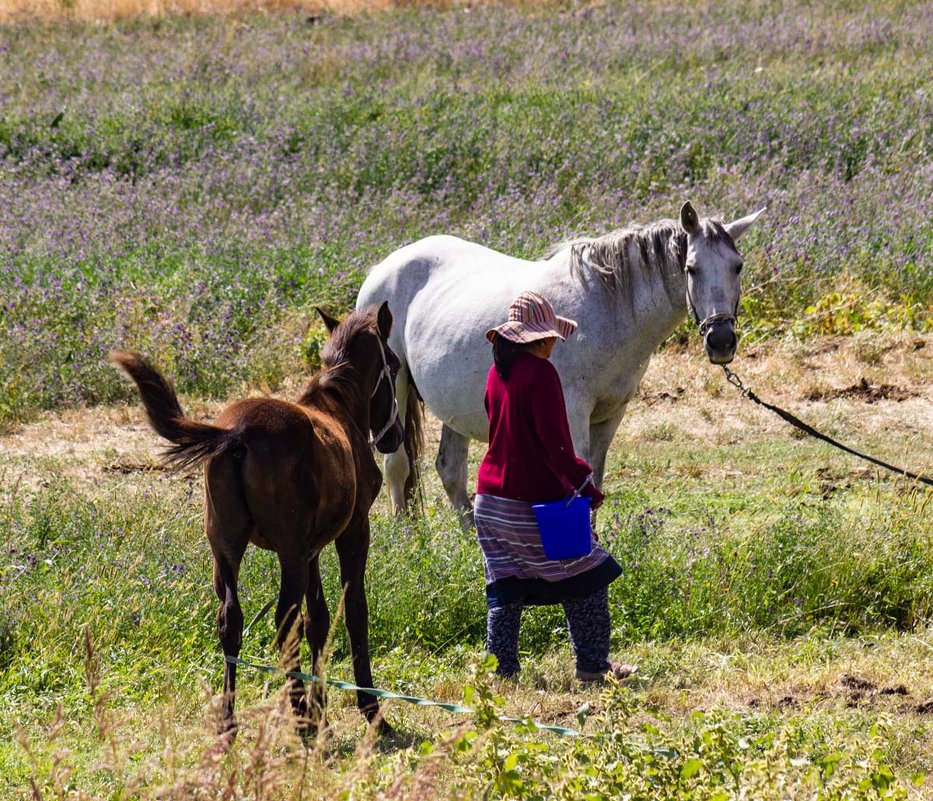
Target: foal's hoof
308,731
227,731
309,727
384,728
375,718
311,723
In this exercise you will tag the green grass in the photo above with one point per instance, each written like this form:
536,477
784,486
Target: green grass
747,605
193,187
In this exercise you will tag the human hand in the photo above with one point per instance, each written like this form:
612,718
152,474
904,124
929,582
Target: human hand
592,492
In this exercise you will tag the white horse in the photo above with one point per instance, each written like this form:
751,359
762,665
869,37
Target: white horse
628,290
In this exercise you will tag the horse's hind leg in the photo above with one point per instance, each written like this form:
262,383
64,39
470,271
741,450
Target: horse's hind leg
228,528
353,551
295,573
317,627
452,465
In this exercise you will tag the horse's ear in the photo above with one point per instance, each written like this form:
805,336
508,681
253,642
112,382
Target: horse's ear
689,220
384,320
330,323
736,228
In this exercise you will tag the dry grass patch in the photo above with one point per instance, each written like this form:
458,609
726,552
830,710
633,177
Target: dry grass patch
89,447
682,398
114,10
824,381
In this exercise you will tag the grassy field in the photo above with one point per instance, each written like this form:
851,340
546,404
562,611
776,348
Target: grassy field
777,597
191,186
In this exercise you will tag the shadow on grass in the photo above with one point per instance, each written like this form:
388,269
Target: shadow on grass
388,740
398,740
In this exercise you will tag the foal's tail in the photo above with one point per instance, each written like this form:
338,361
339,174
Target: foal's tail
193,441
414,444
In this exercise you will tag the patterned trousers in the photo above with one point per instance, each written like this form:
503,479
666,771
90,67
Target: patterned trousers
587,621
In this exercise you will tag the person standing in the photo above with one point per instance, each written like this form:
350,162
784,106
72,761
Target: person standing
531,460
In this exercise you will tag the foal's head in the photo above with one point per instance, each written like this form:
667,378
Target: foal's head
361,341
713,265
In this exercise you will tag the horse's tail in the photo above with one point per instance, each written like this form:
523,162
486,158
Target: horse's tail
414,442
193,441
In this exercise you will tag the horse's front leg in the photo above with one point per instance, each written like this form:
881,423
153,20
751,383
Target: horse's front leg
295,573
396,466
601,435
317,626
452,465
579,410
353,550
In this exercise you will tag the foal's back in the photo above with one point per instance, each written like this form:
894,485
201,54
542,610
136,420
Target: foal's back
295,469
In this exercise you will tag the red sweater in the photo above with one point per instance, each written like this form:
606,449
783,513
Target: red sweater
530,456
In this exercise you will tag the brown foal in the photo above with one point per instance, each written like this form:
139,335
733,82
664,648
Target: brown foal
293,477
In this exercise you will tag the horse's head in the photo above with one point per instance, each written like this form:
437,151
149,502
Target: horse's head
713,267
385,425
367,348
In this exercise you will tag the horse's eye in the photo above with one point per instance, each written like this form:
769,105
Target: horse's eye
691,269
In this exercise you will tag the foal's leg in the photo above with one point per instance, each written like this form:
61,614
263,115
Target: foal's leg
295,572
229,626
317,626
228,528
353,550
452,465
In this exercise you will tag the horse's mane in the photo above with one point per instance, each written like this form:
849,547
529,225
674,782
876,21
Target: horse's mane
338,375
659,246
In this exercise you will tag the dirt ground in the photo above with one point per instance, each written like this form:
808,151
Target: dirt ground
862,390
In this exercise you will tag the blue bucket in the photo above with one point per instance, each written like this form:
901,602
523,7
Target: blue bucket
565,529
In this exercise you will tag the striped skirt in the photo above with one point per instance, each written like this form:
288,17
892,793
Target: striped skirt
514,561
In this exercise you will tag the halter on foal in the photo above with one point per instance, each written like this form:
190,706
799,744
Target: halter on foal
293,477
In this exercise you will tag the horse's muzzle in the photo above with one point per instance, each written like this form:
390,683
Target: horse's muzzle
720,342
392,440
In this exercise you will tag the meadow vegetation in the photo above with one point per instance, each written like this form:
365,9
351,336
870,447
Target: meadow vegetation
192,186
776,595
189,187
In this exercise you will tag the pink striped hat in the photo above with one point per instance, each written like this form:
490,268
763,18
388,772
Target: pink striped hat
531,318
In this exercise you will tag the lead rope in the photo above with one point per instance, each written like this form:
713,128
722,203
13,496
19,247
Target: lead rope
389,695
733,379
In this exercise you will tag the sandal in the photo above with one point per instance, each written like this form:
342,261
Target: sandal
616,670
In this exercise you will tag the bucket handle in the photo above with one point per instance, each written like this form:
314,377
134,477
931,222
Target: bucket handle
578,490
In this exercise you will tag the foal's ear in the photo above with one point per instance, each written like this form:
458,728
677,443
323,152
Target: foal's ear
689,219
330,323
384,320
